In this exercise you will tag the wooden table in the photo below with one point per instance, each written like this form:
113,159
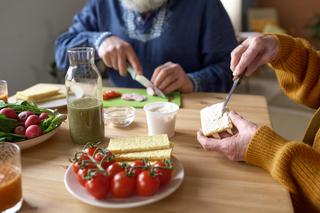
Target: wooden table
212,183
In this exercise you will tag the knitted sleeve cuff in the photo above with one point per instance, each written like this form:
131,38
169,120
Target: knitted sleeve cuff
287,47
263,147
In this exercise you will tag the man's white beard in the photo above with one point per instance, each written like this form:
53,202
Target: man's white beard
143,6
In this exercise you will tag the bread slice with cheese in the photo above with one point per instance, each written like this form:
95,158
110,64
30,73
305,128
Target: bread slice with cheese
138,144
39,93
153,155
213,120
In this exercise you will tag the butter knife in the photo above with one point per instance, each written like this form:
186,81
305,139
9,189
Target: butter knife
144,81
234,86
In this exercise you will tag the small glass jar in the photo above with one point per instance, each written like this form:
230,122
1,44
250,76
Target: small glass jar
84,97
3,91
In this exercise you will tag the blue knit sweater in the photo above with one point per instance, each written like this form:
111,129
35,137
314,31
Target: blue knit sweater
198,35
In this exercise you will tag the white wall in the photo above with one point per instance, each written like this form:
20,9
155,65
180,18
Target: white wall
234,9
28,29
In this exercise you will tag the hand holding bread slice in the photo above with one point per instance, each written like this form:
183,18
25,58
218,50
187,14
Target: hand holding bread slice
214,120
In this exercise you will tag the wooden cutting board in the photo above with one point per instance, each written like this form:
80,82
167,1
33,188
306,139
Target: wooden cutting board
174,97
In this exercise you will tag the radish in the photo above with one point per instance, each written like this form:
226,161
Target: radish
33,131
20,130
24,115
9,113
43,116
32,120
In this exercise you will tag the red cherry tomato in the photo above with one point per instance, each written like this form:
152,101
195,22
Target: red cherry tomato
139,164
110,94
147,183
76,166
163,171
98,186
81,176
114,169
90,150
107,161
122,185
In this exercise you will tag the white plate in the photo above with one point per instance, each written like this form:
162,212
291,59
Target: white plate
53,104
78,191
35,141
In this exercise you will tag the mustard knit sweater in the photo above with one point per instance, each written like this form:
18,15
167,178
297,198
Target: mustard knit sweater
295,164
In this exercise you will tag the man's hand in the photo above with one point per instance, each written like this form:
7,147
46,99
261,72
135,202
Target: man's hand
116,53
233,147
170,77
252,53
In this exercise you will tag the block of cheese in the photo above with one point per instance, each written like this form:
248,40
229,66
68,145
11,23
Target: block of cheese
153,155
138,143
213,120
40,93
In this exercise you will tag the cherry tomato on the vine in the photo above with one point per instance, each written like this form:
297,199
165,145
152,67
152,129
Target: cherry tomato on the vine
98,186
147,183
123,185
164,173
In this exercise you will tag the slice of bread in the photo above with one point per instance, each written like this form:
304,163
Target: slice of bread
214,121
138,143
153,155
38,92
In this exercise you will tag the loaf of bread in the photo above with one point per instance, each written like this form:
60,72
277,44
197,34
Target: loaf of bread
153,155
138,144
213,120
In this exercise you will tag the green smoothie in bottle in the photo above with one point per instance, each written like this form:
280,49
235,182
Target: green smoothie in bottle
85,110
86,120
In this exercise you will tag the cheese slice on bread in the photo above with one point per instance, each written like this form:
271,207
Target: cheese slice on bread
153,155
214,121
139,144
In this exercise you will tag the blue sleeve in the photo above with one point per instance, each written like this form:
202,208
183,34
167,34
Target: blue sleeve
218,40
83,32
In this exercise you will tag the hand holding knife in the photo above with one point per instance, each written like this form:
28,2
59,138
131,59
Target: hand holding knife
144,81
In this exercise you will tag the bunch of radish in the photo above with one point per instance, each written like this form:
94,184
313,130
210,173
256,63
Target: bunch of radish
28,122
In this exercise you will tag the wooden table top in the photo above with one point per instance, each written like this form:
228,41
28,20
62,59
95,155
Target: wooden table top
212,183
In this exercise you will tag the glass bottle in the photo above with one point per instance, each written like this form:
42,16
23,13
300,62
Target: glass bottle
84,97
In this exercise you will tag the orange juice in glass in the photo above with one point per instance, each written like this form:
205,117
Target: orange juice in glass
10,178
3,91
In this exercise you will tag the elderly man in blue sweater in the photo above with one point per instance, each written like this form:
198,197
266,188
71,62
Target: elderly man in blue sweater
180,45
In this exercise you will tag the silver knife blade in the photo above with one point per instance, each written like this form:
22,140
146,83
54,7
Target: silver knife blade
147,83
144,81
234,86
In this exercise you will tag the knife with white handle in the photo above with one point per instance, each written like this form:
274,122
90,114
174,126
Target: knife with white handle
144,81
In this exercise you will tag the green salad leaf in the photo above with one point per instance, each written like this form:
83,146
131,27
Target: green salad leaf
25,106
7,124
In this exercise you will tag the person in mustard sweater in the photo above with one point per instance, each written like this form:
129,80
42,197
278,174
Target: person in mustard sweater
295,164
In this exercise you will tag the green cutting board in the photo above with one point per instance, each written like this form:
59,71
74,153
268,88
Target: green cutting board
174,97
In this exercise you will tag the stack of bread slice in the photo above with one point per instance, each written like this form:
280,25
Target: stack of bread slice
40,93
152,148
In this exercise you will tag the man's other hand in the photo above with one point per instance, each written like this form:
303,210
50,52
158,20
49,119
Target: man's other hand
170,77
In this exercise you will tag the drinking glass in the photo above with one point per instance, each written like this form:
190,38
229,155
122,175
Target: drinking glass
3,91
10,178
